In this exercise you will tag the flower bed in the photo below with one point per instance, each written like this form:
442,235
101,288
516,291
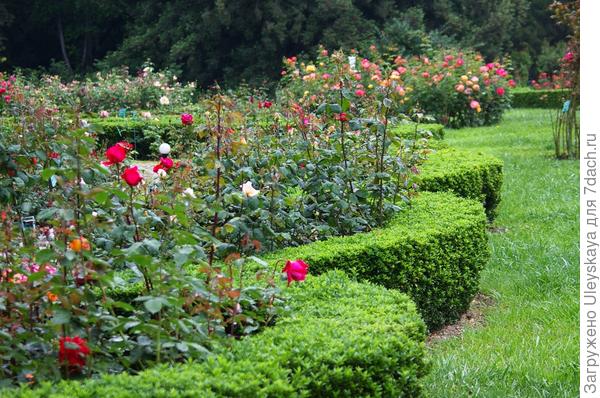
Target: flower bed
468,174
529,98
434,252
341,338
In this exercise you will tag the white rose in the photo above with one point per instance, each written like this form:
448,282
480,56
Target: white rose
164,100
248,190
189,192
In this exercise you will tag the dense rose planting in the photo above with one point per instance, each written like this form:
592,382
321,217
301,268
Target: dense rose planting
442,86
108,269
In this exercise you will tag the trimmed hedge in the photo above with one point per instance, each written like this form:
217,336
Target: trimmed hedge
143,134
433,251
342,338
406,130
471,175
529,98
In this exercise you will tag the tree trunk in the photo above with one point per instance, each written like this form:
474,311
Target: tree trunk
61,38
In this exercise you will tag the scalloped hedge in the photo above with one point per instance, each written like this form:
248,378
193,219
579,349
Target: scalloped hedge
433,251
530,98
342,338
471,175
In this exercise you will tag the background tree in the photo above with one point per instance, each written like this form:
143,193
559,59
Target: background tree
231,41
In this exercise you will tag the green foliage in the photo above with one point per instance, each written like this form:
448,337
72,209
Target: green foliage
257,34
529,98
472,175
408,130
341,338
144,135
433,251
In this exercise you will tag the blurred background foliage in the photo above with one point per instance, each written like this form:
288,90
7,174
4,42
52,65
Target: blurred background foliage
244,40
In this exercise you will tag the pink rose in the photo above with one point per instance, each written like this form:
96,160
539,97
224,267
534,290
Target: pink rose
501,72
187,119
474,104
295,270
360,93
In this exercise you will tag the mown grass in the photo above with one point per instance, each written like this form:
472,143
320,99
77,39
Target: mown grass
528,346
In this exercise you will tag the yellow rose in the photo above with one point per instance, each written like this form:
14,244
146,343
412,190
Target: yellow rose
311,68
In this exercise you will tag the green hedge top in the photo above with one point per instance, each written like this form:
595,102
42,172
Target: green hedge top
471,175
405,130
433,251
341,338
530,98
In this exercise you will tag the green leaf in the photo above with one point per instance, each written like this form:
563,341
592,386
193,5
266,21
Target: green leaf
154,305
61,317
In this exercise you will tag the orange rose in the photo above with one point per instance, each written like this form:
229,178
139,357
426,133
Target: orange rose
79,244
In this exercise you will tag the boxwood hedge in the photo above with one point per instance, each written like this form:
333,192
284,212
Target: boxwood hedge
471,175
145,135
341,338
433,251
405,130
530,98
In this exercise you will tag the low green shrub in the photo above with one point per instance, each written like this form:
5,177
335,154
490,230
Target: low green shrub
408,130
145,135
529,98
433,251
471,175
341,338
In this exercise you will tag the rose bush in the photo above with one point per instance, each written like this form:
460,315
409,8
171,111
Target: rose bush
442,86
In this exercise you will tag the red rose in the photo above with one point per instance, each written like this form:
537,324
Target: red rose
73,350
342,117
115,154
295,270
187,119
132,176
165,164
500,91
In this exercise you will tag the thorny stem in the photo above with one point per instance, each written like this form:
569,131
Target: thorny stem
217,185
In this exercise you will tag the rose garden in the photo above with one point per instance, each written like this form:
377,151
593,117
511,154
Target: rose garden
371,226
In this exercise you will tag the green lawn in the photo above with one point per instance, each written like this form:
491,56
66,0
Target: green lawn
528,346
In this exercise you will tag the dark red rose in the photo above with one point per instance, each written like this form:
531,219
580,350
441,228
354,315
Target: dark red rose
73,350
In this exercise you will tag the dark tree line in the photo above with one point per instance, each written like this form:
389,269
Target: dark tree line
235,40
